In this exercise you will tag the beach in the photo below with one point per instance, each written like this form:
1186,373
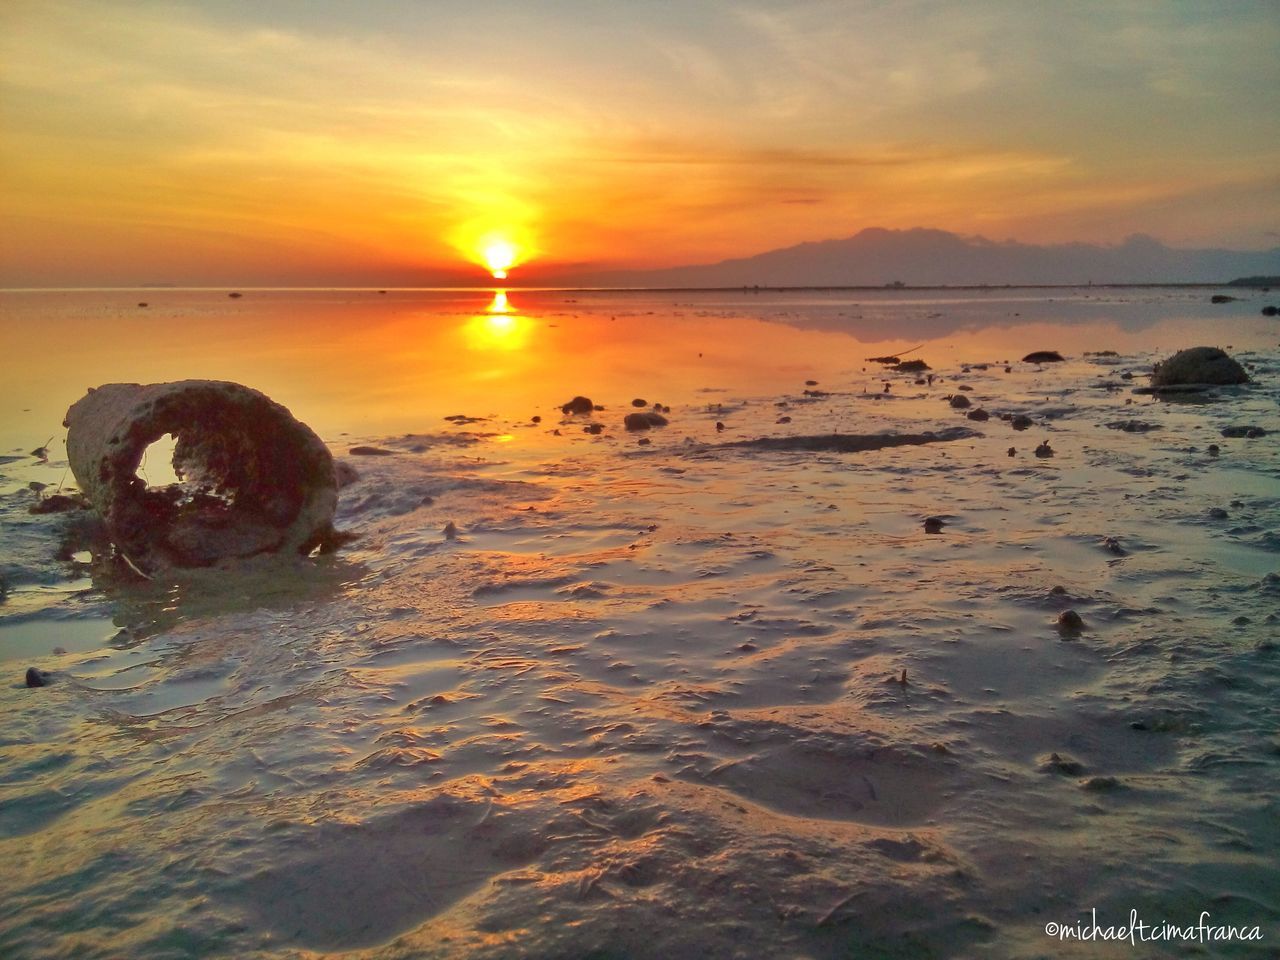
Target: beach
698,696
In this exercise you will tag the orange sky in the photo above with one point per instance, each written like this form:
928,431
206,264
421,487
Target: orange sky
314,142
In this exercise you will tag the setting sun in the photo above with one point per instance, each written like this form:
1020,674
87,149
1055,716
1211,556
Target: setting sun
499,256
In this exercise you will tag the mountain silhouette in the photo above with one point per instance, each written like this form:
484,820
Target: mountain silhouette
924,257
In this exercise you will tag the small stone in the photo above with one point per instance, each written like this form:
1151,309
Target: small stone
1214,449
1043,356
577,405
369,452
37,677
593,428
719,427
933,524
1112,545
1070,620
980,415
1059,591
639,403
1012,451
643,442
1217,513
1064,765
1021,422
959,402
784,420
643,421
535,419
1044,450
450,531
1101,784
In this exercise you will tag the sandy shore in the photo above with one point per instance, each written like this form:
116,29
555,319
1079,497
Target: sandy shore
687,698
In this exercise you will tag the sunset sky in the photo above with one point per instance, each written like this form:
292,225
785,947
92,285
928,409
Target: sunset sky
312,141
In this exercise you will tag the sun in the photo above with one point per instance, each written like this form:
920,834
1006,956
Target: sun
499,256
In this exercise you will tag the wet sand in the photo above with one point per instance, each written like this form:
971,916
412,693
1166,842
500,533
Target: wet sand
688,698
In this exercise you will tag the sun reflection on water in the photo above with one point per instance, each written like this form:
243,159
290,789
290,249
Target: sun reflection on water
500,328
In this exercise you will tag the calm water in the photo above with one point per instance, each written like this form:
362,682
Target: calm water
680,699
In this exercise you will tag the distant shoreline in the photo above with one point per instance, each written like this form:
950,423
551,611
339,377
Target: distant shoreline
806,288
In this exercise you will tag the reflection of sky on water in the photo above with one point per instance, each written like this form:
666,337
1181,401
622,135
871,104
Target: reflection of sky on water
371,364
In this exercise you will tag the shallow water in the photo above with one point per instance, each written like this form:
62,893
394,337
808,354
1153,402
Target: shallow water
649,703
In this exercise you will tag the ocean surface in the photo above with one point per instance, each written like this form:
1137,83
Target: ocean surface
683,698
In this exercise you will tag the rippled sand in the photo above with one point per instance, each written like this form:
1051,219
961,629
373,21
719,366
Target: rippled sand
688,699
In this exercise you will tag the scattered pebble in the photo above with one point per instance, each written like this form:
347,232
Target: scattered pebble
959,402
933,524
450,531
1068,766
577,405
1101,784
37,677
1021,422
1217,513
1044,450
980,415
1043,356
1070,620
639,403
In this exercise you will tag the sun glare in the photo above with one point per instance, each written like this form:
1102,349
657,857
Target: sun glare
499,256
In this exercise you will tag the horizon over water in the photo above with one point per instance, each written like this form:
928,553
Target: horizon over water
696,696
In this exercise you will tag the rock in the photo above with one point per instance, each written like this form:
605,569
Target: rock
1069,620
593,428
369,452
965,387
1112,545
643,421
1068,766
1214,449
912,366
142,303
1250,432
535,419
1217,513
450,531
933,524
784,420
1044,450
719,427
1221,298
1198,365
1101,784
643,442
1043,356
37,677
959,402
577,405
980,415
1012,451
1021,422
637,402
235,296
256,480
1270,311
